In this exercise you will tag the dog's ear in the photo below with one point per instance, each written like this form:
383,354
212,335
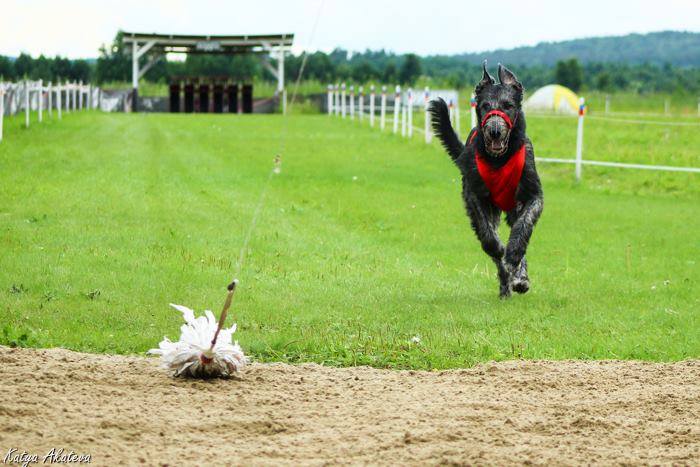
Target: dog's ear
505,76
486,80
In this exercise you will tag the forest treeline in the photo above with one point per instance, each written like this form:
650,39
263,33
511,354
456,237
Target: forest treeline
459,71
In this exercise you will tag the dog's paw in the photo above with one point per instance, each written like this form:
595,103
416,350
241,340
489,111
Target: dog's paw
521,285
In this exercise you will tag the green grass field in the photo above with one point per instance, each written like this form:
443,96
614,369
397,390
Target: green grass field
362,243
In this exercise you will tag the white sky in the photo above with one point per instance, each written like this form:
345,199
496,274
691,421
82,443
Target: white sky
76,28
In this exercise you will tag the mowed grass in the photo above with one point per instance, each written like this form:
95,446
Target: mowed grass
362,244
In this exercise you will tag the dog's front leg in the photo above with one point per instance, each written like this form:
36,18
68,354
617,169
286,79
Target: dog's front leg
485,218
520,234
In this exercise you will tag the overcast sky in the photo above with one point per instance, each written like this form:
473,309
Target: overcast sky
77,28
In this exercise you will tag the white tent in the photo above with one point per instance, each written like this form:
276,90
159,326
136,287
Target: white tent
553,98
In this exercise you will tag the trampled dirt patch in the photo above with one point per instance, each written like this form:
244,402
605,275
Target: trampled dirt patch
126,410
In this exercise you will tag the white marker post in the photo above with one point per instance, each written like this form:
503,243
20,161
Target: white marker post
58,100
451,109
410,113
75,96
80,95
342,101
404,112
330,100
607,104
579,138
371,106
397,107
352,102
66,90
426,101
472,105
361,105
49,94
382,114
40,100
26,104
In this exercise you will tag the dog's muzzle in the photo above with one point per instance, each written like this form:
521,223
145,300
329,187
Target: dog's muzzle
496,126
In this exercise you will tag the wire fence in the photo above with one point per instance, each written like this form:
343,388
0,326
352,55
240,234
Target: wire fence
404,105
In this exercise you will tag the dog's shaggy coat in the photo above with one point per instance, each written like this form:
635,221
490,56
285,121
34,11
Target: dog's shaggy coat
496,143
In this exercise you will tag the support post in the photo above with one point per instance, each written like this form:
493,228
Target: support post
342,100
667,107
410,113
66,89
59,89
49,94
330,100
80,95
26,104
382,114
426,103
135,75
579,138
397,107
40,100
280,69
404,115
472,105
607,104
451,109
352,102
371,106
457,120
75,96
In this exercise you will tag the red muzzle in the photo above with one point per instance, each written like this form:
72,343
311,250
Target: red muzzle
497,113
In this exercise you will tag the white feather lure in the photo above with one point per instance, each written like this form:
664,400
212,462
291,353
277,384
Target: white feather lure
204,349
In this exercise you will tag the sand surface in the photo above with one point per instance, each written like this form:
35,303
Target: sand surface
126,410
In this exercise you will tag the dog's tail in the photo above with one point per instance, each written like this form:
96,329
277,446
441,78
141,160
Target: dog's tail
440,116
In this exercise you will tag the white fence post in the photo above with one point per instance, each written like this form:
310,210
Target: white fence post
342,101
66,91
457,125
472,105
397,107
330,100
40,101
404,112
26,104
410,113
58,99
698,107
579,138
80,95
50,96
667,107
361,104
607,104
352,102
428,133
382,111
75,96
371,106
451,109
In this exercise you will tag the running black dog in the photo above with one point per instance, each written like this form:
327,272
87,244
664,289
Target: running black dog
498,174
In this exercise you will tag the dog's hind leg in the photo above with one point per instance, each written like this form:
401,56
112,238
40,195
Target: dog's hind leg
485,218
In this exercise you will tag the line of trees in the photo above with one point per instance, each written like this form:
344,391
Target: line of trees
114,64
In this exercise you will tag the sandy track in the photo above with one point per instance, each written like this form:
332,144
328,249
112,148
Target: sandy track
125,410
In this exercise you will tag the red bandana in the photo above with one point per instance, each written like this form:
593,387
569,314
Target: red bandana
502,181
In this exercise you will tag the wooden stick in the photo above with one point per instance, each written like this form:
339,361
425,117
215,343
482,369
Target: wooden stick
227,304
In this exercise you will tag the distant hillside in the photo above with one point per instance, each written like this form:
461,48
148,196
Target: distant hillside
677,48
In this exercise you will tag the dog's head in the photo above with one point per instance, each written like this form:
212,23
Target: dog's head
498,108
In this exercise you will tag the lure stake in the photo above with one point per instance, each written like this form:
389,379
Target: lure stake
205,349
